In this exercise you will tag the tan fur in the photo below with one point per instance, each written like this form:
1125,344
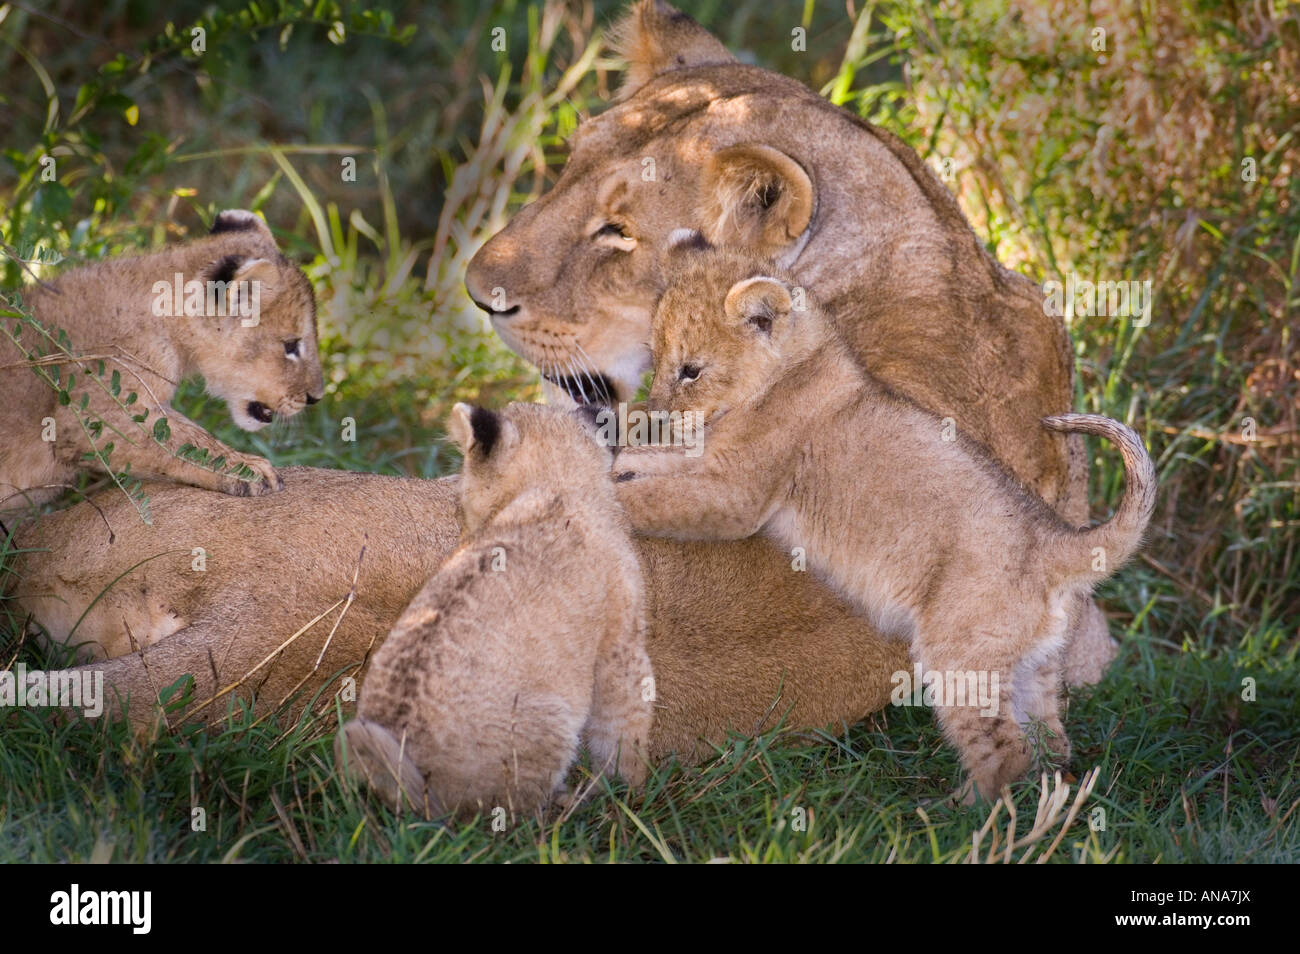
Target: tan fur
655,37
726,656
928,536
530,638
755,159
107,310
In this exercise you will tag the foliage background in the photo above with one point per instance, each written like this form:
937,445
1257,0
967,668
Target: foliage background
1117,163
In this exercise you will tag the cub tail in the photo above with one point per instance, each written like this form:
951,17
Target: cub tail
377,757
1093,554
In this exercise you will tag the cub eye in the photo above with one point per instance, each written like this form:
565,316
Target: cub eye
611,230
688,373
291,347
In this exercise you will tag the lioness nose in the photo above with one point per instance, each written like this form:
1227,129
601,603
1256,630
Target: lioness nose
497,312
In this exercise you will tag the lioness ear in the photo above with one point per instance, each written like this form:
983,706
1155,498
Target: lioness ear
240,220
654,37
759,301
756,196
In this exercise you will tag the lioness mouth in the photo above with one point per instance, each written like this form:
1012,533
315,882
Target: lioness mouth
586,388
259,412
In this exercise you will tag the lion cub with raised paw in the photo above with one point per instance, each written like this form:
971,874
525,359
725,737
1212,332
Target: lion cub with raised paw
917,526
530,638
227,306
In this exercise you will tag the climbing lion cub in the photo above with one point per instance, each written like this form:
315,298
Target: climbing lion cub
915,525
530,637
227,306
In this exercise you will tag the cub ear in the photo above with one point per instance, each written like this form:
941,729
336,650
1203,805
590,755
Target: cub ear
759,301
654,37
755,195
240,220
243,268
259,270
472,427
469,426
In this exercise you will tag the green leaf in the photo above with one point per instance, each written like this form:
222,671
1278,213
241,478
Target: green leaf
182,689
116,385
52,202
161,431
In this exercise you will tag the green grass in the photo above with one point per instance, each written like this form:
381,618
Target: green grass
1192,766
1188,773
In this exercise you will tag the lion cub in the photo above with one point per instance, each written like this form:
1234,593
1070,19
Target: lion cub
227,306
920,529
530,637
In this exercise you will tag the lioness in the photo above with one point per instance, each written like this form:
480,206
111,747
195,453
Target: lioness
927,536
530,638
139,325
755,159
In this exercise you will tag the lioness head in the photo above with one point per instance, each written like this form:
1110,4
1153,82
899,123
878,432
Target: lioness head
697,140
724,328
269,363
524,447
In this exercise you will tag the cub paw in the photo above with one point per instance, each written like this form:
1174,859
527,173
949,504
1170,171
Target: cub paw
265,480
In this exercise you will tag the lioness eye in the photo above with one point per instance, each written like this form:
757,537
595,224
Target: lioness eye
688,373
613,230
291,347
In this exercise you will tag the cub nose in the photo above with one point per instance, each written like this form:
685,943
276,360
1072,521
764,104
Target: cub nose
312,399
